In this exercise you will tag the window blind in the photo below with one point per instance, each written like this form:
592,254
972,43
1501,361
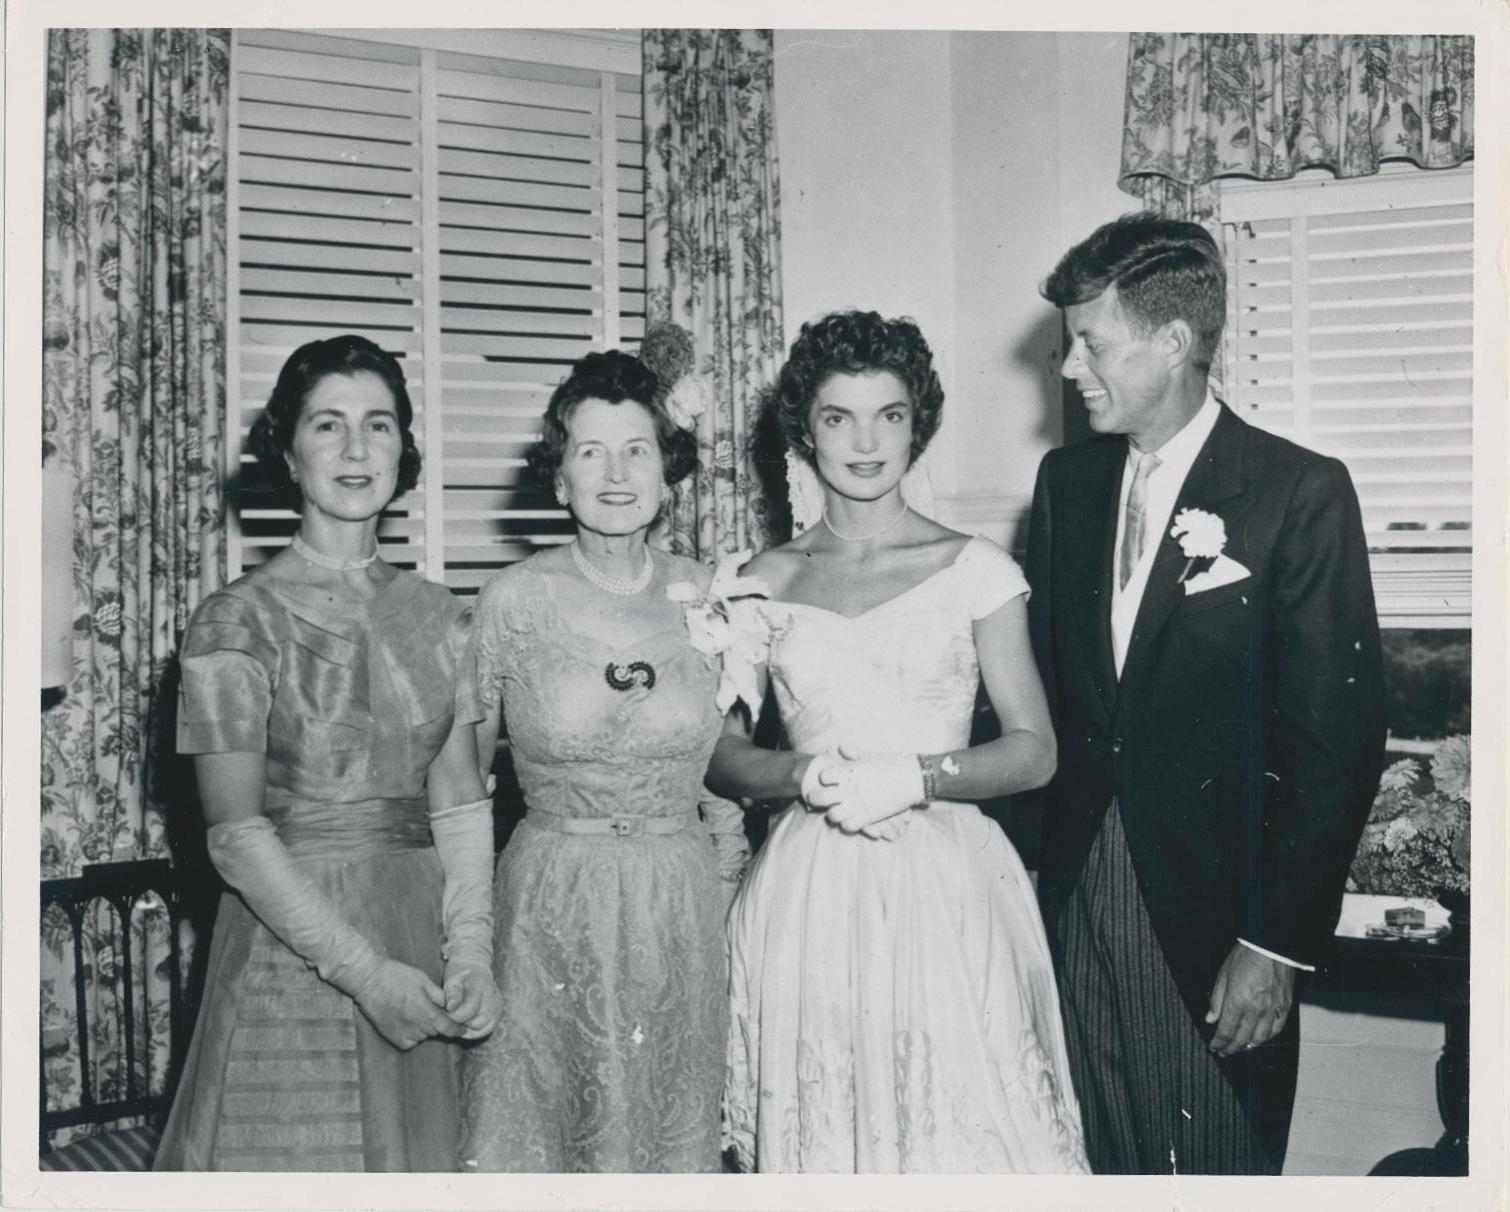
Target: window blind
1350,331
480,217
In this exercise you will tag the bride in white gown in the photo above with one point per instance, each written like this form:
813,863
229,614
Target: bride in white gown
894,1007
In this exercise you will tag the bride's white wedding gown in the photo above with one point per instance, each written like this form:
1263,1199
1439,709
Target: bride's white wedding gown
894,1006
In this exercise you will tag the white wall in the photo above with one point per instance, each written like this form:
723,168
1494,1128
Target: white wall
940,175
867,217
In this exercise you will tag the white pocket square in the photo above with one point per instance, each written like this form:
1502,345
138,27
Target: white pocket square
1224,571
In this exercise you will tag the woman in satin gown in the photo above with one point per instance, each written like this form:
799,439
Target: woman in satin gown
610,895
335,754
894,1007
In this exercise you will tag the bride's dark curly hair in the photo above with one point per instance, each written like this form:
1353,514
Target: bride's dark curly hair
856,342
613,376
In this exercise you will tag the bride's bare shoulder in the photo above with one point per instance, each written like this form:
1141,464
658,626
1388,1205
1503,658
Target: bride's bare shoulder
928,532
778,566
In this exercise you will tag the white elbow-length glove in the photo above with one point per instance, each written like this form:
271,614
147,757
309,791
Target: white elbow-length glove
463,837
404,1004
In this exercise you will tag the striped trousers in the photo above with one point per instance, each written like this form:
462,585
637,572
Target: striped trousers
1153,1098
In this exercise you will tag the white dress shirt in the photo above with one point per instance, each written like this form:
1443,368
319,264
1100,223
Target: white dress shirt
1176,457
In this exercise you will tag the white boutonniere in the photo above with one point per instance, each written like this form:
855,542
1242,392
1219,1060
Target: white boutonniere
1203,536
716,631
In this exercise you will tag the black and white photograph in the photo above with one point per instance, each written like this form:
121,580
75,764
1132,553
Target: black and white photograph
846,610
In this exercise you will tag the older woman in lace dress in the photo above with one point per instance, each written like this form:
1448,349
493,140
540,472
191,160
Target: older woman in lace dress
610,896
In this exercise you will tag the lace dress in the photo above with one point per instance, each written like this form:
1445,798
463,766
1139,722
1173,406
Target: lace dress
609,953
350,700
894,1006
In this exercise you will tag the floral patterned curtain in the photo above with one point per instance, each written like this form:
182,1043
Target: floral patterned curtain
133,384
1203,106
712,260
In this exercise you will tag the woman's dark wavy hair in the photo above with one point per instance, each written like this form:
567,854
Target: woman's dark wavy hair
272,434
856,342
1163,269
613,376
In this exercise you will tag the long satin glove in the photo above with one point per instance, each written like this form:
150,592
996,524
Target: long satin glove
870,790
463,837
403,1003
725,820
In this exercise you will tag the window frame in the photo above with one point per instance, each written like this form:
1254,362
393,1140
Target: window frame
1410,594
610,54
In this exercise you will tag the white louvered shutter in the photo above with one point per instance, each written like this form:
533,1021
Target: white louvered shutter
1350,330
530,211
458,209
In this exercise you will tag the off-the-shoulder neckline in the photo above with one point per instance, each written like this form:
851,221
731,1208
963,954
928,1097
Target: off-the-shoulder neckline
972,541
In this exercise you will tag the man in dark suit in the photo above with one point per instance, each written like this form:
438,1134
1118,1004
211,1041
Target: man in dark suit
1204,623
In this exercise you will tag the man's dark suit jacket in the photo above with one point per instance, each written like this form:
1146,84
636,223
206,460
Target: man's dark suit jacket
1245,738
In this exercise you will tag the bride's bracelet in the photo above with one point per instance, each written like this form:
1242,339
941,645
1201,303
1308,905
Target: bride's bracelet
930,779
930,770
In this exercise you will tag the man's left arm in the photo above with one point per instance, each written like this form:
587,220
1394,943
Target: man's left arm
1323,752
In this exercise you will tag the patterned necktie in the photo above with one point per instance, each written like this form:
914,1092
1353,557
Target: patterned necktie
1135,521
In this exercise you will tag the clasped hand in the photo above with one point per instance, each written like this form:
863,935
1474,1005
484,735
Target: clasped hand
869,795
406,1006
472,1000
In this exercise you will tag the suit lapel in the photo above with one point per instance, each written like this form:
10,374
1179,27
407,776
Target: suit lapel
1094,533
1216,476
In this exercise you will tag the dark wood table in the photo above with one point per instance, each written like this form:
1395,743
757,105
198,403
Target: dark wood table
1425,979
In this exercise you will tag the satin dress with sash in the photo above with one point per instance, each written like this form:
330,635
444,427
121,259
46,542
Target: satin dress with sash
350,700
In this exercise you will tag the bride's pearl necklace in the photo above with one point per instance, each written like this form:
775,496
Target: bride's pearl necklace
331,562
617,585
861,538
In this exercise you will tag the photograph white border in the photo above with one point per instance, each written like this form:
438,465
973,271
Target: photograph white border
21,1185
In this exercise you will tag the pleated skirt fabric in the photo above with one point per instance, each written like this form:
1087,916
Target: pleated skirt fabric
285,1073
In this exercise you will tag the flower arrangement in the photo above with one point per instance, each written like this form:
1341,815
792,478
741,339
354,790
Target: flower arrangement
1416,839
723,634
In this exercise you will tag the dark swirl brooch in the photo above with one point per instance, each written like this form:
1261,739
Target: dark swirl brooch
627,677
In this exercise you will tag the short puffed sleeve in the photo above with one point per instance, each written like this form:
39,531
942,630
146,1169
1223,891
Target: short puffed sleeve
228,667
992,577
490,647
459,642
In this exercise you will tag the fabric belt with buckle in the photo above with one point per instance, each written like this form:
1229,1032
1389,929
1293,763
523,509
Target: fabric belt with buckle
620,826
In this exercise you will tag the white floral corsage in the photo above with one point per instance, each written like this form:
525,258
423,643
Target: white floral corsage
716,633
1202,535
688,400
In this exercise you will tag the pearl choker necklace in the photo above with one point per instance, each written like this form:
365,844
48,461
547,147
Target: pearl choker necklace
861,538
616,585
330,562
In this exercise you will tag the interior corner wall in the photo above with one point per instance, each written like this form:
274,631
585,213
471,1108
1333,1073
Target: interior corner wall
940,175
